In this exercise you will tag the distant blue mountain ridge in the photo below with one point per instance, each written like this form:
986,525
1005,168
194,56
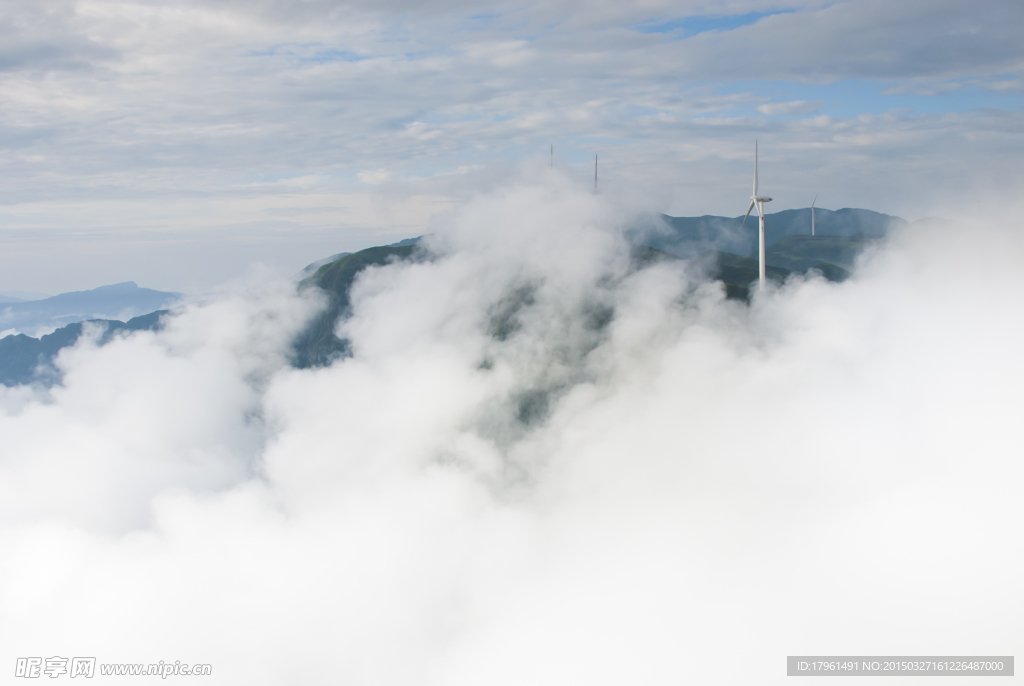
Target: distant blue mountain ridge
121,301
21,296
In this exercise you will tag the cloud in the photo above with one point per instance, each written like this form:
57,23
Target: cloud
374,177
47,37
143,121
865,40
794,107
626,480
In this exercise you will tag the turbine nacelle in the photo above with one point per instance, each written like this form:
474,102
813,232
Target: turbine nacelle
756,201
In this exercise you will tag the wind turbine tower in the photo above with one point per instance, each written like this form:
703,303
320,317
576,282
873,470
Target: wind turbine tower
812,212
758,201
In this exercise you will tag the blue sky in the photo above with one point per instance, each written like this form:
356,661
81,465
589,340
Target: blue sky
683,27
179,145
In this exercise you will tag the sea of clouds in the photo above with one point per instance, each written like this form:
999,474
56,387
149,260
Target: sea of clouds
541,465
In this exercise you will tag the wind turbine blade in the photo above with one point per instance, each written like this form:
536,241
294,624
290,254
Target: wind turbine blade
747,214
755,167
814,201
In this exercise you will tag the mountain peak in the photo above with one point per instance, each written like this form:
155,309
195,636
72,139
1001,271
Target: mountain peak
124,287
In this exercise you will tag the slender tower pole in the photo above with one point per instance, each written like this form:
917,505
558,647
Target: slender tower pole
760,245
758,201
760,232
812,212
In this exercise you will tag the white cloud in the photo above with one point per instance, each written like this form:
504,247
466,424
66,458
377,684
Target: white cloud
292,182
187,110
791,108
701,470
374,177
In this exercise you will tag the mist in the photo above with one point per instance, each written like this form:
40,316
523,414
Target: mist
543,463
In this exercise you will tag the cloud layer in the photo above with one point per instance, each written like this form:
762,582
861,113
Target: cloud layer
182,143
541,465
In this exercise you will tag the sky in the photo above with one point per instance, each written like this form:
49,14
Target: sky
185,145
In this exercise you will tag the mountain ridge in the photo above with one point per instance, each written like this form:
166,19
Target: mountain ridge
691,236
24,359
115,302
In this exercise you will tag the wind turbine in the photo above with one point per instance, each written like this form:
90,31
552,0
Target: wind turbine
812,212
758,201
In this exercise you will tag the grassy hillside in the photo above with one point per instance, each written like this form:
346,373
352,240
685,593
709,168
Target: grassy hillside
24,359
692,236
318,345
800,253
738,272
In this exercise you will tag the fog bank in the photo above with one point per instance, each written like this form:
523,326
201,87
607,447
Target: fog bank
541,465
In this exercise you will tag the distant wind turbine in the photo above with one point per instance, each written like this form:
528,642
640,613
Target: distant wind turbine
758,201
812,212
